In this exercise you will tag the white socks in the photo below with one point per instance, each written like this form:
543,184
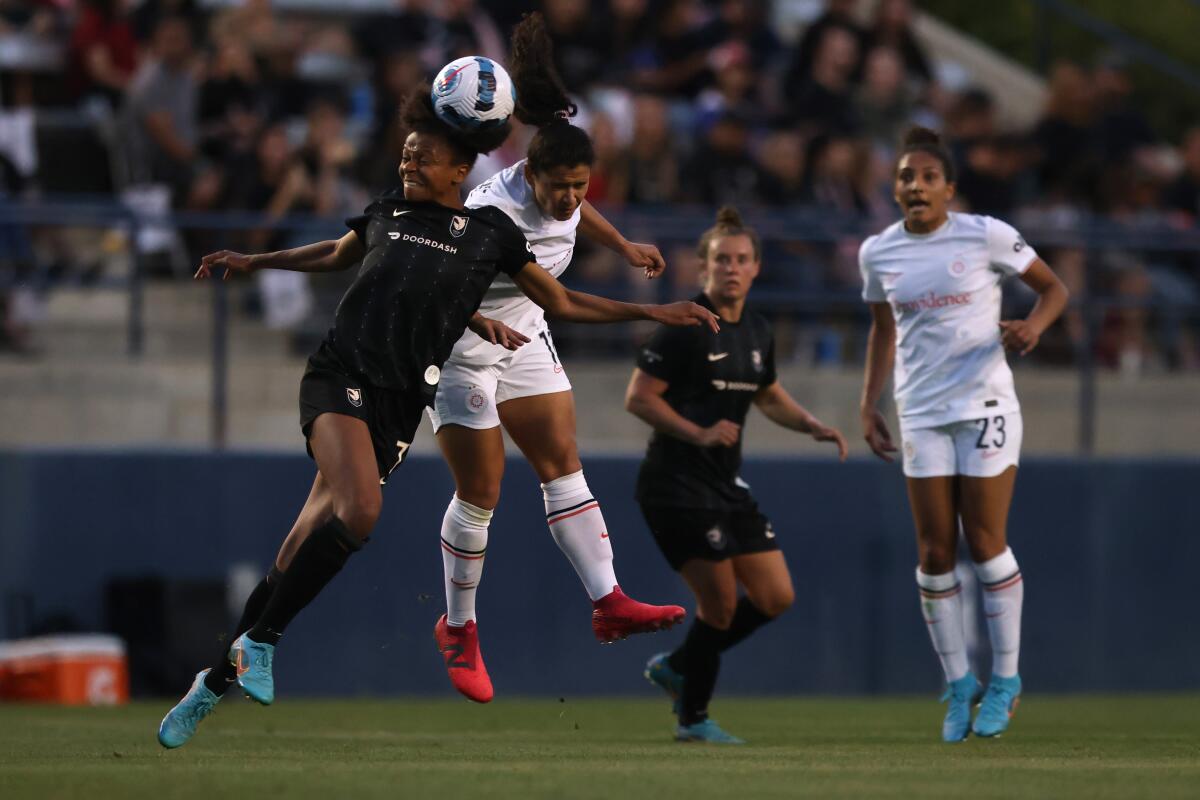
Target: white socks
1003,593
578,527
941,605
464,543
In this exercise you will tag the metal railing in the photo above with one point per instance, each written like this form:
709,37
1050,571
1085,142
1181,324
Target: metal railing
677,224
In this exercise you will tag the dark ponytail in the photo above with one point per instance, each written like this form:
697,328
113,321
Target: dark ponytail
729,223
417,114
924,140
542,100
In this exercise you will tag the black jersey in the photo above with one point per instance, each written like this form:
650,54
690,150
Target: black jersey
425,272
710,377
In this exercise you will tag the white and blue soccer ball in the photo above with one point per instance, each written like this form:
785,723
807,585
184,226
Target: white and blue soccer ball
473,93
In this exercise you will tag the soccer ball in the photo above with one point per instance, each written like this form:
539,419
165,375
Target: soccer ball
473,93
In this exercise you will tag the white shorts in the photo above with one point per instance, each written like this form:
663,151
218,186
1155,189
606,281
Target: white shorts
980,448
468,394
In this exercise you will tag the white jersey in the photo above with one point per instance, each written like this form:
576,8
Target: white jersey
552,242
944,290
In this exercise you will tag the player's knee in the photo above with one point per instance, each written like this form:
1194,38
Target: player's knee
777,601
937,559
481,492
719,614
360,512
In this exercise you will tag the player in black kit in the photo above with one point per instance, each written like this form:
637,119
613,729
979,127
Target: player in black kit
426,263
695,388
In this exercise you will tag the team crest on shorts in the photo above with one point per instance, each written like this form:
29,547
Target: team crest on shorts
355,397
716,538
756,360
477,400
458,226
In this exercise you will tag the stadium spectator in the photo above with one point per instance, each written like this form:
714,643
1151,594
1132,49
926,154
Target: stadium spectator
884,104
781,157
838,14
1067,157
1183,194
892,27
1121,127
461,28
822,101
328,157
161,124
580,48
722,171
736,89
652,165
146,15
103,54
675,58
232,86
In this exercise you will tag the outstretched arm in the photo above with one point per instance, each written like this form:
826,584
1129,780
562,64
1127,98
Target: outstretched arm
640,256
328,256
562,303
782,409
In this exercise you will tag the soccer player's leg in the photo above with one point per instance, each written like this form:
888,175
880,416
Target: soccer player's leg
476,460
543,427
346,458
985,502
698,659
934,508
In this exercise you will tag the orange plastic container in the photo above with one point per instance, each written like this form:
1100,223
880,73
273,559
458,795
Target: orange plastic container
67,669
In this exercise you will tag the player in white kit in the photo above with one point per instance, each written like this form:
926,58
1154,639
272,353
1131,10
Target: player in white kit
484,385
933,284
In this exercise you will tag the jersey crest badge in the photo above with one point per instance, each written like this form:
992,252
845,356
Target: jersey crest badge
458,226
756,359
355,397
716,539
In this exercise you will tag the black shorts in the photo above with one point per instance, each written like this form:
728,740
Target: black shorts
392,416
710,534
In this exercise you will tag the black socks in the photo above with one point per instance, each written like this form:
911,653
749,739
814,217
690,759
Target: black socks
219,677
746,620
322,556
698,659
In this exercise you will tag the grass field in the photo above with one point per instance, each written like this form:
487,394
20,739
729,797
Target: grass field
1061,747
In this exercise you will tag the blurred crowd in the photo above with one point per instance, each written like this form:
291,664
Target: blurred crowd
269,108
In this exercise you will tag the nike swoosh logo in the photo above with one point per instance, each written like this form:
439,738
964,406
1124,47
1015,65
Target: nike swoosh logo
242,667
992,454
716,356
398,213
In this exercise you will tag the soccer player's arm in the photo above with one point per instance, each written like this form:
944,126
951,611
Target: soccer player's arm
1010,255
562,303
780,407
332,255
665,359
594,226
881,353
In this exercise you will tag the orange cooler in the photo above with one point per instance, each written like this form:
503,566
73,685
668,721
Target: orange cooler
67,669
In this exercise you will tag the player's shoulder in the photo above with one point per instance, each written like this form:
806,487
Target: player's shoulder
496,218
873,244
758,321
506,189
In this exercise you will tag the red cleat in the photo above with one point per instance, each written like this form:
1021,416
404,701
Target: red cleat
616,616
464,662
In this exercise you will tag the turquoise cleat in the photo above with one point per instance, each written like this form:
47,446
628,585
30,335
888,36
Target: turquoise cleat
962,694
658,671
999,704
180,723
253,663
707,731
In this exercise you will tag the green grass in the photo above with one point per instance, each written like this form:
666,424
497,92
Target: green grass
1062,747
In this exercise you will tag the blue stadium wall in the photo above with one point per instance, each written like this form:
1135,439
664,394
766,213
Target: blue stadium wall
1109,550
